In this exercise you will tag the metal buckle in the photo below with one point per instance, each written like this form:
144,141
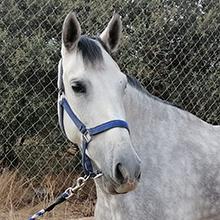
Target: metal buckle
98,175
60,96
87,136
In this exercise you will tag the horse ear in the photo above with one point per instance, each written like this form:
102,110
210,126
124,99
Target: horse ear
112,33
71,31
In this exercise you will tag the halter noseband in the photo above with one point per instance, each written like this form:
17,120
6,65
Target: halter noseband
87,133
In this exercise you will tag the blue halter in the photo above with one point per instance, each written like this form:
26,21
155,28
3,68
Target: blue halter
87,133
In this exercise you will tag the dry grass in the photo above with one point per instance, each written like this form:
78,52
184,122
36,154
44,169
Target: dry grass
21,197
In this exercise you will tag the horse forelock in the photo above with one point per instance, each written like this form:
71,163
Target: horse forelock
90,49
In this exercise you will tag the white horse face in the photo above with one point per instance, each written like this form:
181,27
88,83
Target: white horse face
94,88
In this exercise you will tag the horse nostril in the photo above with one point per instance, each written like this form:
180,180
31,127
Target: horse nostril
121,173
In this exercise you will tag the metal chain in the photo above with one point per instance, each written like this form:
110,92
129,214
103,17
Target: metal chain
80,182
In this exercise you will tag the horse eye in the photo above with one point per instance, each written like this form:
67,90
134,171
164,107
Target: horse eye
79,87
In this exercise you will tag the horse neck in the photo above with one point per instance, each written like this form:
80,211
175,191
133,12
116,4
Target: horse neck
137,107
144,113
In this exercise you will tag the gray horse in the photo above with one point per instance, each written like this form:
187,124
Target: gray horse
167,167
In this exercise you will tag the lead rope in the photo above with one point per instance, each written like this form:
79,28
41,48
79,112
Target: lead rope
80,182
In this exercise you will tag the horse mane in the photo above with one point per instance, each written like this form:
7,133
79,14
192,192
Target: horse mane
137,85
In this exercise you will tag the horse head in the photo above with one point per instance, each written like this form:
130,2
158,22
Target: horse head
95,88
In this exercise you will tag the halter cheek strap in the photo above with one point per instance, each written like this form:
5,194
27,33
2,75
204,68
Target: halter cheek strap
87,133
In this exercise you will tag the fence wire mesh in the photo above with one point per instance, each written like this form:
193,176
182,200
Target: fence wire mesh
171,46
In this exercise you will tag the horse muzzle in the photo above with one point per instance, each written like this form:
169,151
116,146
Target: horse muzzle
125,178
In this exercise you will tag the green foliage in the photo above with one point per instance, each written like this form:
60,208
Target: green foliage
172,47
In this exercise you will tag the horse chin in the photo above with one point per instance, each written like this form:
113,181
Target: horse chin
114,189
126,187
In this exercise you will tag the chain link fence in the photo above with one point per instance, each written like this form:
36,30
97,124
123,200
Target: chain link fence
171,46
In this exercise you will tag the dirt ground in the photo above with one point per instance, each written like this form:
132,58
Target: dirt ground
89,218
64,212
